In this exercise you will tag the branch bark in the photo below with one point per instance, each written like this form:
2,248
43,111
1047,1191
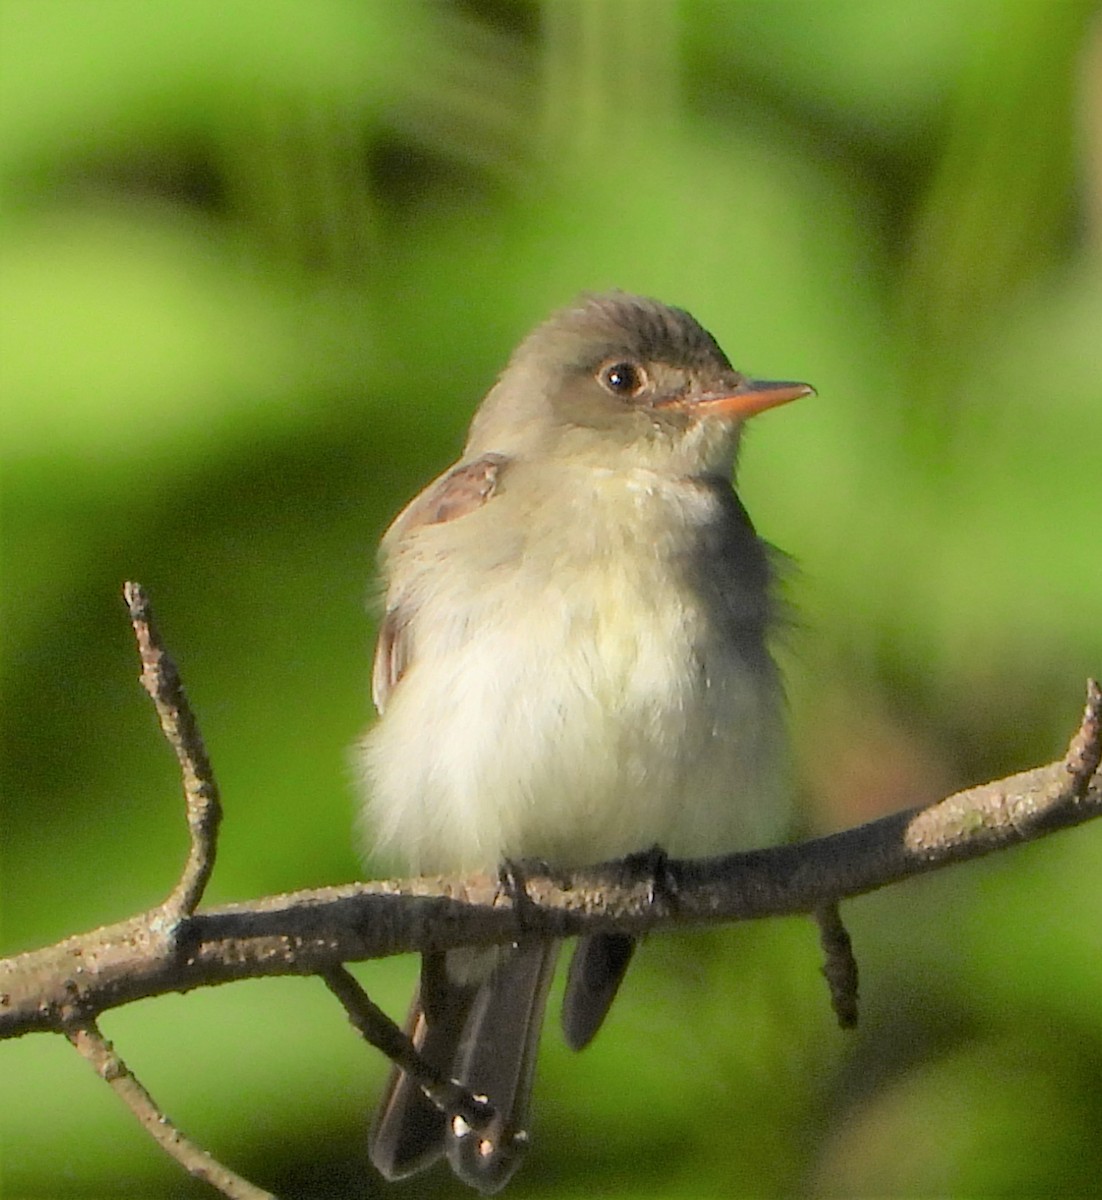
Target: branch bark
204,810
105,1061
175,947
308,932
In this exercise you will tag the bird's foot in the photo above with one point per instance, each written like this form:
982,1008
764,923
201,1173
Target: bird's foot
513,875
652,867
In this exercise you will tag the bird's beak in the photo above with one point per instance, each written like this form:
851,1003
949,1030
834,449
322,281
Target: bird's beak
750,397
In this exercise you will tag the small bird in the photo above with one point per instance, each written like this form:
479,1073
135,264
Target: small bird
571,667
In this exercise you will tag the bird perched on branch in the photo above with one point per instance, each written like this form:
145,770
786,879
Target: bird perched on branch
572,667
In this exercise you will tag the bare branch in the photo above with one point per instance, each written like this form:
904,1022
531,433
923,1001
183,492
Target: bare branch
839,965
380,1031
63,988
98,1051
310,932
1084,753
204,811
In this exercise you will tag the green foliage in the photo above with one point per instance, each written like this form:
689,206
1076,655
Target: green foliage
260,258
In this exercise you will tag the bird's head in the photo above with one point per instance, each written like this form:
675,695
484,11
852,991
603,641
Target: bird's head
618,380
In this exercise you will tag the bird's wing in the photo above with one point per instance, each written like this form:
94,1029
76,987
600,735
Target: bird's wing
458,492
596,971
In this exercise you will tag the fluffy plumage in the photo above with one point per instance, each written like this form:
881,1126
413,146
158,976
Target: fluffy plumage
572,667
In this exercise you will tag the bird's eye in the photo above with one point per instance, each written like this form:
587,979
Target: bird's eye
625,379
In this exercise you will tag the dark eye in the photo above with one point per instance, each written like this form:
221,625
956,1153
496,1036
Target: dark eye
622,378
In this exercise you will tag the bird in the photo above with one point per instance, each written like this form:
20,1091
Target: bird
572,666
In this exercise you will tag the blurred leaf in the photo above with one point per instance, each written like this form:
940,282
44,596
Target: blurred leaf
968,1124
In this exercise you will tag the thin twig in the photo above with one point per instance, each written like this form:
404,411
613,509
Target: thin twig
204,811
1019,808
381,1032
98,1051
839,964
1084,754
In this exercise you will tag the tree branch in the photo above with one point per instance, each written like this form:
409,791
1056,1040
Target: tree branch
173,947
105,1061
839,964
204,811
378,1030
310,931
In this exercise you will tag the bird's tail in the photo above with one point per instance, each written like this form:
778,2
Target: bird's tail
485,1033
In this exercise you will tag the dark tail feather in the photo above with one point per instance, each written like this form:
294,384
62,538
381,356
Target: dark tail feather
497,1059
596,972
407,1134
486,1035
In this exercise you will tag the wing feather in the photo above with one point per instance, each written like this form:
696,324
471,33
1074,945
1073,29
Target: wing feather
458,492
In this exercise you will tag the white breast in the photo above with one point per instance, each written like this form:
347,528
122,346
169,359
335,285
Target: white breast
573,699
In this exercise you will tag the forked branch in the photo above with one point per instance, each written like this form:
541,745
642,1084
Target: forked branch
63,988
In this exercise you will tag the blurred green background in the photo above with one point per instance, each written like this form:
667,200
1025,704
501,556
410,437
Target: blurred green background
260,258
